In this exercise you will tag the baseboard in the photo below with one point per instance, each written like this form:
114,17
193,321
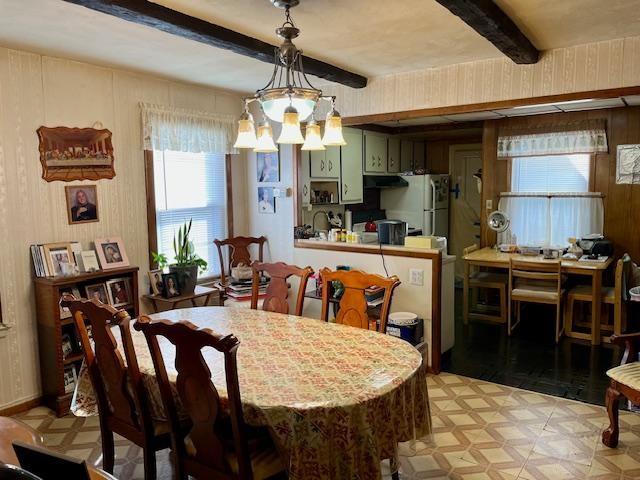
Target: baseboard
21,407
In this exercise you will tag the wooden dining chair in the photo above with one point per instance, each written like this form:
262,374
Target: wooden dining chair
121,397
535,282
486,280
353,303
624,381
615,297
277,294
239,253
209,448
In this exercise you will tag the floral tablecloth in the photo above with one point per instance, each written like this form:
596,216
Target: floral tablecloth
336,399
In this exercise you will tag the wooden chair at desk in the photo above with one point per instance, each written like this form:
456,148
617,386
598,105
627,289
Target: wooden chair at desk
487,280
276,298
535,282
616,296
353,303
239,253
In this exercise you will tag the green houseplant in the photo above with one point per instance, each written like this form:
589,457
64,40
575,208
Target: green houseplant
187,262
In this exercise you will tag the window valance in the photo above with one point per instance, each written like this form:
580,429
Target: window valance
576,137
182,130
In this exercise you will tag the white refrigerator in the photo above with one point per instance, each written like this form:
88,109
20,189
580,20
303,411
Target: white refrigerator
423,204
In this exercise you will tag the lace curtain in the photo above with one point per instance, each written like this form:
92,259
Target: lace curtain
581,137
181,130
549,220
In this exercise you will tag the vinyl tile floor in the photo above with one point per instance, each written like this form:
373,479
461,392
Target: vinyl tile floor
481,430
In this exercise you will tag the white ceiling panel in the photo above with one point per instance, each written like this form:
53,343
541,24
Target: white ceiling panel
578,106
470,117
632,100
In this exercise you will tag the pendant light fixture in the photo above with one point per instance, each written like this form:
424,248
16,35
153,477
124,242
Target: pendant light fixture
265,139
289,98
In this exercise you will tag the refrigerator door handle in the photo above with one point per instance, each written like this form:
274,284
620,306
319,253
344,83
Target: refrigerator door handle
433,222
433,195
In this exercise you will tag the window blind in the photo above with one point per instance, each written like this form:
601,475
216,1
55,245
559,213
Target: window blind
191,186
552,173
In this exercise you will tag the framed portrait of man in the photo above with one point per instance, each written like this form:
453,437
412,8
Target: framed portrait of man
111,253
119,292
82,203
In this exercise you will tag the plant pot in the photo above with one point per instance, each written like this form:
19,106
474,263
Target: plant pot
187,277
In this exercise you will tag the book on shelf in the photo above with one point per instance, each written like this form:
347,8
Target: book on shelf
373,293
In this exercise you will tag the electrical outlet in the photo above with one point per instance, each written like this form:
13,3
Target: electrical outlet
489,204
416,277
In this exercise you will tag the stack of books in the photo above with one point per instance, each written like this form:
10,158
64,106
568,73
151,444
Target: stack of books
374,295
43,264
241,289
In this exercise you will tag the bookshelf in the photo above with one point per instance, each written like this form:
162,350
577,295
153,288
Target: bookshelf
56,330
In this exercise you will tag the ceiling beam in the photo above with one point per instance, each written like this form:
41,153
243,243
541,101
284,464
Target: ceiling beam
170,21
486,18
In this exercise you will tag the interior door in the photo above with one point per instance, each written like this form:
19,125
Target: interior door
465,204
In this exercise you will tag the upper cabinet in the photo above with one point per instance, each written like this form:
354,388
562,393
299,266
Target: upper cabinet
351,187
325,163
375,152
406,155
419,155
305,179
393,157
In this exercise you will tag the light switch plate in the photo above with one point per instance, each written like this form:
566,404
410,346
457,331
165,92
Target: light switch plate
416,277
489,205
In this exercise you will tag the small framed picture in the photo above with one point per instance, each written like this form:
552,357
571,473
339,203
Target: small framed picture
155,280
64,311
119,292
70,379
170,283
82,203
67,346
88,261
59,257
97,291
268,166
266,201
111,253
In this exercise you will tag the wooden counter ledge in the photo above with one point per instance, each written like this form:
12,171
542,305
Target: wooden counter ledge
370,248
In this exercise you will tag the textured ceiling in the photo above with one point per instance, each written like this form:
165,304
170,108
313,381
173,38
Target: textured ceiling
370,37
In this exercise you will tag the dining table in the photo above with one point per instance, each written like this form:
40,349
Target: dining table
493,258
336,399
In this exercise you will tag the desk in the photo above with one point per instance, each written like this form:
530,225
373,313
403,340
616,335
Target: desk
337,399
489,257
157,301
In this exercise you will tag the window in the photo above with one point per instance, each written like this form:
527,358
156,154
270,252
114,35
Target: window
553,173
550,200
191,185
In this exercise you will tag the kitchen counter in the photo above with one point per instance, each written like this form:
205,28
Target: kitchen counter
391,250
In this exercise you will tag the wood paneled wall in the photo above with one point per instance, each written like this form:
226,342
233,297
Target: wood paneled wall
621,202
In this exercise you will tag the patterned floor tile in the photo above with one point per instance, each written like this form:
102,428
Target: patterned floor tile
481,431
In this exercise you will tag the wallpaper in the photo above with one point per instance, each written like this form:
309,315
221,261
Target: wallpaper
35,91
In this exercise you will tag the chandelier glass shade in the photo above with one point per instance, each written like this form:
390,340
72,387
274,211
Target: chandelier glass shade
288,98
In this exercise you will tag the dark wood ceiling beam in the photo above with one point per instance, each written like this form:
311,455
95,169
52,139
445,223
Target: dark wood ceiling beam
486,18
170,21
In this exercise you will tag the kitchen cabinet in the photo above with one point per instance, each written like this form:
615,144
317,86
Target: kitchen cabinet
419,156
305,179
326,163
351,188
406,155
393,160
375,152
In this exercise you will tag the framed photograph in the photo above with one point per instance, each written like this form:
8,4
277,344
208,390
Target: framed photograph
111,253
155,280
97,291
67,346
268,166
64,311
88,261
266,201
59,257
82,204
68,154
170,283
70,379
119,292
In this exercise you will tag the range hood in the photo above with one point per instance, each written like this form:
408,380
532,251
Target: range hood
384,181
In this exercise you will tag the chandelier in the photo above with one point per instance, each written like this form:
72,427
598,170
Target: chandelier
288,98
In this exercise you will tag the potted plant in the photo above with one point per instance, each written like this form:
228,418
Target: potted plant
187,262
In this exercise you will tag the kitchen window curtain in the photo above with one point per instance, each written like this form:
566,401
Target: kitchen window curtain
549,220
574,137
180,130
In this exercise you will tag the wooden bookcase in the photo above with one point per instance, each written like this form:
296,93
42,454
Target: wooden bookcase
52,328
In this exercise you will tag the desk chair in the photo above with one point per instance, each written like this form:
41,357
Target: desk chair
535,282
489,281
